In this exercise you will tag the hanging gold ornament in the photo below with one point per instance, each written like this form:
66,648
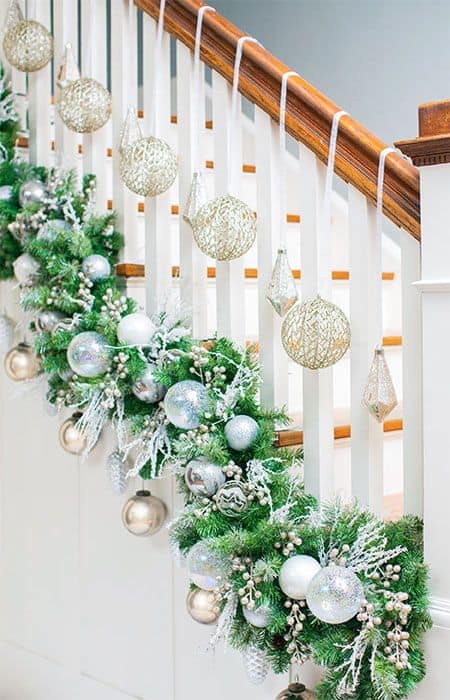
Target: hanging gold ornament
196,199
70,437
282,292
296,691
379,395
203,606
27,44
316,333
143,514
21,363
148,165
224,228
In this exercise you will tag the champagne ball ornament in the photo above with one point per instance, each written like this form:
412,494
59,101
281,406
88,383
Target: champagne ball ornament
21,364
6,192
259,617
50,230
32,192
135,329
143,514
89,355
203,478
47,320
96,267
224,228
316,333
146,388
241,432
296,574
27,44
7,329
335,595
203,606
185,402
207,569
71,438
84,105
26,269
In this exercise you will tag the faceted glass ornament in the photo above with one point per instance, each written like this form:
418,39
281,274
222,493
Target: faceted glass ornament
27,44
379,395
282,292
231,499
13,16
316,333
196,199
224,228
207,569
203,478
84,105
131,130
335,595
89,354
68,70
184,403
255,664
148,166
146,388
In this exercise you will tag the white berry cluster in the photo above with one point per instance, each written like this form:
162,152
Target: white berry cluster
120,361
338,555
294,620
114,308
249,593
233,471
288,542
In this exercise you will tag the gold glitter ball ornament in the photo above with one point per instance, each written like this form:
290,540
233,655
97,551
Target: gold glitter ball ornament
316,333
28,46
84,105
224,228
148,166
379,395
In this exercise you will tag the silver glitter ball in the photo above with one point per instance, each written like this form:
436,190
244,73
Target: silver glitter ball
202,477
89,354
231,499
335,595
50,230
96,267
26,269
28,46
48,320
148,166
241,432
259,617
32,192
207,569
224,228
6,192
185,402
84,105
146,388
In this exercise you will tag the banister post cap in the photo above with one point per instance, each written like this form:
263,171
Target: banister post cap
432,147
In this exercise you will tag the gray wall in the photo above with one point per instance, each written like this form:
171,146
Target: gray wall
378,59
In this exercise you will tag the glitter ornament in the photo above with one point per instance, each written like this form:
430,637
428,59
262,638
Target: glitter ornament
89,354
224,228
203,606
47,320
282,292
21,364
241,432
315,334
84,105
32,192
50,230
379,395
135,329
296,574
196,199
26,269
335,595
71,438
231,499
96,267
7,329
296,691
27,44
143,514
203,478
6,192
259,617
255,664
148,165
146,388
207,569
184,404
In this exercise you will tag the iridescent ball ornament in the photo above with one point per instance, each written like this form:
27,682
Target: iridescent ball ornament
84,105
207,569
47,320
316,333
224,228
28,46
6,193
96,267
26,269
89,354
71,438
335,595
143,514
296,574
203,606
50,230
184,404
32,192
231,499
147,388
258,617
21,364
203,478
241,432
135,329
148,166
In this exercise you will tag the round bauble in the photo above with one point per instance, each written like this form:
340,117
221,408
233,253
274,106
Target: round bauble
296,691
7,329
143,514
32,192
71,438
259,617
65,374
26,269
241,432
231,499
146,388
224,228
296,574
50,230
135,329
148,166
202,477
89,354
47,320
207,569
185,402
28,46
6,192
315,334
96,267
21,363
203,606
335,595
84,105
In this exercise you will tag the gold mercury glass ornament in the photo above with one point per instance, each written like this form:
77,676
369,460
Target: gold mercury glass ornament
143,514
70,437
203,606
224,228
21,363
379,395
27,44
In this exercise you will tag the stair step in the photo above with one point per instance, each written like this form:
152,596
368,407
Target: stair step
294,437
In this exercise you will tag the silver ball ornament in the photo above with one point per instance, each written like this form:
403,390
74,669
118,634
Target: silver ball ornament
148,166
231,499
184,403
259,617
203,478
28,46
135,329
84,105
71,438
21,364
96,267
207,569
296,574
32,192
203,606
146,388
89,355
50,230
224,228
241,432
143,514
47,320
26,269
335,595
6,192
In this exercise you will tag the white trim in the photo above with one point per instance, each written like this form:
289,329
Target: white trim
440,612
423,286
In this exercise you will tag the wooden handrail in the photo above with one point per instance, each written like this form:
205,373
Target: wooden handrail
309,113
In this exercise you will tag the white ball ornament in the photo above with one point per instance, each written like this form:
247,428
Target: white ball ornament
184,403
241,432
26,269
259,617
335,595
146,388
203,478
135,329
89,354
296,574
96,267
84,105
32,192
224,228
207,569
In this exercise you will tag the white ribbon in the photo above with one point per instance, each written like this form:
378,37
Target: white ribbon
283,164
197,127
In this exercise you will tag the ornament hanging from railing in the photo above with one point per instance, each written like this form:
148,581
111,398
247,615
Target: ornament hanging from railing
27,44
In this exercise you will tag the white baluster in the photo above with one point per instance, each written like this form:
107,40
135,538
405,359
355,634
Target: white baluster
39,98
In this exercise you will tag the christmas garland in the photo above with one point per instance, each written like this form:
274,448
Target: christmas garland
285,578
